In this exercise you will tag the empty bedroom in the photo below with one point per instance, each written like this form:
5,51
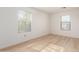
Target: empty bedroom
39,29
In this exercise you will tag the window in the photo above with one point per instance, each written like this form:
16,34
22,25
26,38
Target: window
24,21
65,23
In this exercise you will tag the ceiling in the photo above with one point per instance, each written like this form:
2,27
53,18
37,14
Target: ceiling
55,9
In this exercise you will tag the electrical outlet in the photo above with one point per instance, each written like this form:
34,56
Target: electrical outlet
24,35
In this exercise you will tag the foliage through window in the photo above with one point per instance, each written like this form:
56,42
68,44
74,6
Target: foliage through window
24,21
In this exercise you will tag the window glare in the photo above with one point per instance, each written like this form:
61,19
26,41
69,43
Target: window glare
21,15
66,18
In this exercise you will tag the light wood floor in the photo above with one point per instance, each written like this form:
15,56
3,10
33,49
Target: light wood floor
50,43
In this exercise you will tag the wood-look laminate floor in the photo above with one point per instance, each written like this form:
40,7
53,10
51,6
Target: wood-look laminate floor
50,43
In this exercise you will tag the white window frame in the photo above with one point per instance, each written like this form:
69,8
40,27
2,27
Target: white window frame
20,29
65,23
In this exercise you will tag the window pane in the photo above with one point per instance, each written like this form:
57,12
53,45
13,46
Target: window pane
66,18
24,21
65,26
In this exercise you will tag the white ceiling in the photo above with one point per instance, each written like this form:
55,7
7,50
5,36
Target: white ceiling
55,9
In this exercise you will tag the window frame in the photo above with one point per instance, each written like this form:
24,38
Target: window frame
65,23
30,17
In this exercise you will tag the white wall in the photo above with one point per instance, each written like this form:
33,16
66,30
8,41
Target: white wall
55,23
8,26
